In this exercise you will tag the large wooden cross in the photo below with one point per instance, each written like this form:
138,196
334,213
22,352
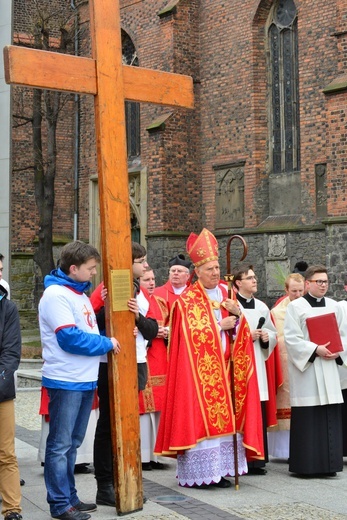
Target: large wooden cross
111,83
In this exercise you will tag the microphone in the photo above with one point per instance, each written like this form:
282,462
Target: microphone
260,322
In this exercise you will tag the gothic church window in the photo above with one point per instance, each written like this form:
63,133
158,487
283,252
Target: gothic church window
132,109
284,88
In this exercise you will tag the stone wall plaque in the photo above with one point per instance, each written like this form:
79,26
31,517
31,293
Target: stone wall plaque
277,245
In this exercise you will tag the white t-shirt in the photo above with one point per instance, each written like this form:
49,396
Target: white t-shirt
141,342
62,307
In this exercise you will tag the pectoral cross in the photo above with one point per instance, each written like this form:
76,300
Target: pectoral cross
104,76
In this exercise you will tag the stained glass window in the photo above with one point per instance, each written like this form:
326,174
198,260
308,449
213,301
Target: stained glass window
132,109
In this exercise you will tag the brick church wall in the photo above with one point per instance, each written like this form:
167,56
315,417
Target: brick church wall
223,47
24,211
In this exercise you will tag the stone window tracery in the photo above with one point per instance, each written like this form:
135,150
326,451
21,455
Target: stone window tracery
284,95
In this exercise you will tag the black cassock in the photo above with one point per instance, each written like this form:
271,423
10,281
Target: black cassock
316,445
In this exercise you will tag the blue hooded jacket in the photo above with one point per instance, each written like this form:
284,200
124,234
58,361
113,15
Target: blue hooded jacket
72,339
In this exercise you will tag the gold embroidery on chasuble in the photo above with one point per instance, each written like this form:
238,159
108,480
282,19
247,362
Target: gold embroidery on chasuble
148,399
207,360
147,393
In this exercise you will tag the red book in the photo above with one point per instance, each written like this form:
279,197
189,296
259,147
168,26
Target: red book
324,328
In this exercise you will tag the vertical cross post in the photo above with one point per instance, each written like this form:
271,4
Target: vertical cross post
111,83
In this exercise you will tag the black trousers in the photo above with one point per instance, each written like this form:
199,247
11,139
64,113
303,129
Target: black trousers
103,456
344,422
103,453
261,463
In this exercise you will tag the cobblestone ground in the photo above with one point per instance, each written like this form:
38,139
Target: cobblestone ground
287,511
275,497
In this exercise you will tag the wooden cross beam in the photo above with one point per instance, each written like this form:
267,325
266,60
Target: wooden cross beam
111,83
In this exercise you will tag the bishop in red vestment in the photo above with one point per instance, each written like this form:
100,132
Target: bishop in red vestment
198,420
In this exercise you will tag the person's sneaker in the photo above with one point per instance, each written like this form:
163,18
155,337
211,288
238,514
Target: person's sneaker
13,516
72,514
85,508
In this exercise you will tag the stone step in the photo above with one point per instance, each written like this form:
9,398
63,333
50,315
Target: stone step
30,364
29,373
28,378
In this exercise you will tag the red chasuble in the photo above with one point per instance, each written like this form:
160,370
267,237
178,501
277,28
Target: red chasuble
197,402
151,398
166,292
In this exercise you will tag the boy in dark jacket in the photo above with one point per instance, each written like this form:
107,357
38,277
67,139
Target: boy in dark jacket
10,352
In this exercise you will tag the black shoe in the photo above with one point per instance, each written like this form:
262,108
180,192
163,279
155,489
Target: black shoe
85,508
72,514
82,468
105,494
156,465
13,516
223,483
257,471
22,481
315,475
146,466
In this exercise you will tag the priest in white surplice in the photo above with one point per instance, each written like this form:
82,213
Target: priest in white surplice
315,391
264,337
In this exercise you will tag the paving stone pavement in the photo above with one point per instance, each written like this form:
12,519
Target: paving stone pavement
276,496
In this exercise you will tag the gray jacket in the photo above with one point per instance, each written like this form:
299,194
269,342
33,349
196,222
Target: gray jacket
10,346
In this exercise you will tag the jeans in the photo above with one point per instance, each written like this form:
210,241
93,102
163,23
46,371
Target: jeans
69,412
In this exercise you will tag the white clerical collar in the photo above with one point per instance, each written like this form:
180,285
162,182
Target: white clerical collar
244,297
214,294
315,297
178,290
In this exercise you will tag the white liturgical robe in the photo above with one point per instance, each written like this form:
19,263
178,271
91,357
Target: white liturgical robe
314,383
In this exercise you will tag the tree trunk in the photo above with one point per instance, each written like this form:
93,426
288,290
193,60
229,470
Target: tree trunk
44,183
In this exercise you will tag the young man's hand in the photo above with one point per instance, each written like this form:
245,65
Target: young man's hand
133,307
116,345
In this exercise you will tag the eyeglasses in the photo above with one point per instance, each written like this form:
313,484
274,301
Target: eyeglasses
178,271
250,278
320,282
141,261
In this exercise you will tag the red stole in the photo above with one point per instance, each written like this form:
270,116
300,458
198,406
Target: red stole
151,398
247,400
274,380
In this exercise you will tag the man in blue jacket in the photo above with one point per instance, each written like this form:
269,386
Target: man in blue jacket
10,351
71,349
